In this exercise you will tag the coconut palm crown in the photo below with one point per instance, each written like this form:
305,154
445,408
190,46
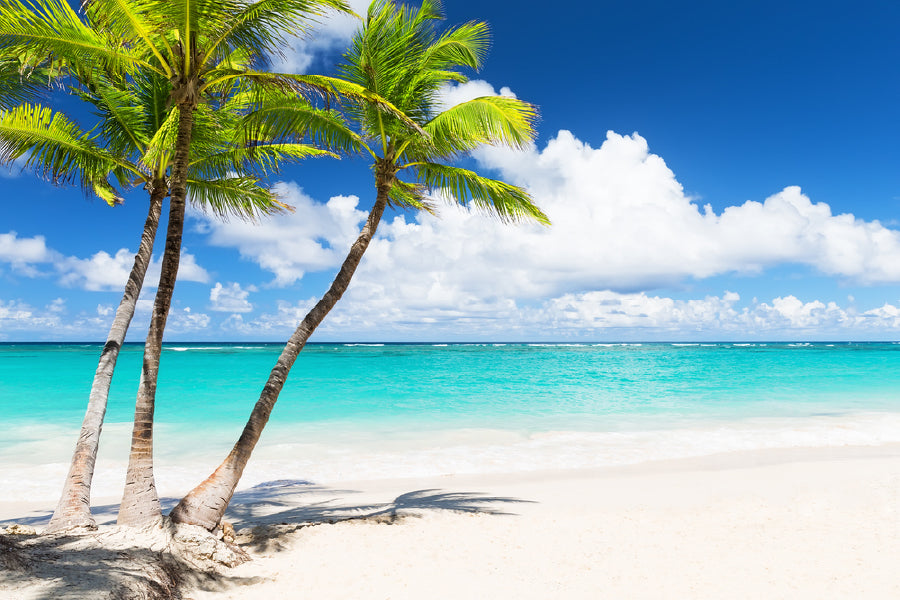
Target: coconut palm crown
399,56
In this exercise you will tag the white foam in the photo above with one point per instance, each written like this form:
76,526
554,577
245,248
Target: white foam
331,453
187,348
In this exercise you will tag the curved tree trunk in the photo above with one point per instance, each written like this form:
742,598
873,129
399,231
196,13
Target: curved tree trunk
140,502
74,508
205,505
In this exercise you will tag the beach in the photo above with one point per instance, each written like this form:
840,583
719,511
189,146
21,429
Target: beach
486,471
798,523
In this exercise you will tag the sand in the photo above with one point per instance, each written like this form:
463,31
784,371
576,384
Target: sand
802,523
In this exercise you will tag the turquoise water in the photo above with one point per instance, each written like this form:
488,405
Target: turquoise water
461,406
465,385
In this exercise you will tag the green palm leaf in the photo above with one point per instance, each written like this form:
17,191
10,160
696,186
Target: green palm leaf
241,197
51,27
58,149
507,201
258,25
261,159
485,120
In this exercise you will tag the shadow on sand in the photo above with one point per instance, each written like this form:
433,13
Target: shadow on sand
77,566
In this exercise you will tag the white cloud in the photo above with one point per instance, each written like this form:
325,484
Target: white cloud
313,238
24,253
604,311
611,315
621,224
184,320
457,93
621,220
102,272
231,299
332,33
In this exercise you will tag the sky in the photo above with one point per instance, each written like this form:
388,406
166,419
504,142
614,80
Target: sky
712,170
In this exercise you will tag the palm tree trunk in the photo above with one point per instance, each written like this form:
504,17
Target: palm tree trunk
205,505
74,508
140,502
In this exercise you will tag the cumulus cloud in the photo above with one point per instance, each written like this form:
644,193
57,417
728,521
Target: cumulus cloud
231,298
622,224
51,321
330,34
23,254
184,320
313,238
103,272
612,315
621,221
457,93
99,272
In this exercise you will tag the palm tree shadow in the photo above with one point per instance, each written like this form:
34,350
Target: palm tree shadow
75,567
64,566
275,509
104,514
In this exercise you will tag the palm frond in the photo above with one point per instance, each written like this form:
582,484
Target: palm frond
161,147
507,201
23,81
485,120
466,45
294,120
410,195
58,149
134,22
52,28
261,159
120,116
241,197
263,25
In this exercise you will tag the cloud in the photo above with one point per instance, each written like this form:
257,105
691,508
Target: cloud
330,34
313,238
622,224
48,322
184,320
621,221
610,311
231,299
455,93
24,253
612,315
100,272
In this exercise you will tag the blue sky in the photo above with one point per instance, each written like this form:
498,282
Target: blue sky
715,171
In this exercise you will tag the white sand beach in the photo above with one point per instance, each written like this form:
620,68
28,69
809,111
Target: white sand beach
800,523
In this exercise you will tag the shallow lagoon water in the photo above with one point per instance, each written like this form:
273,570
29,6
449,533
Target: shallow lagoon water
357,411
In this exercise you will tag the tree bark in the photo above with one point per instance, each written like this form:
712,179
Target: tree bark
140,501
74,508
205,505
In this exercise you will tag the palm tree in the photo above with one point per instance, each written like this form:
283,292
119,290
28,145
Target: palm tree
207,50
133,141
398,56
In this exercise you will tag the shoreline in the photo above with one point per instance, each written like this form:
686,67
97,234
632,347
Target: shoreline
36,513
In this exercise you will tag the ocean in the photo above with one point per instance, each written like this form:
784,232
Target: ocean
368,411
